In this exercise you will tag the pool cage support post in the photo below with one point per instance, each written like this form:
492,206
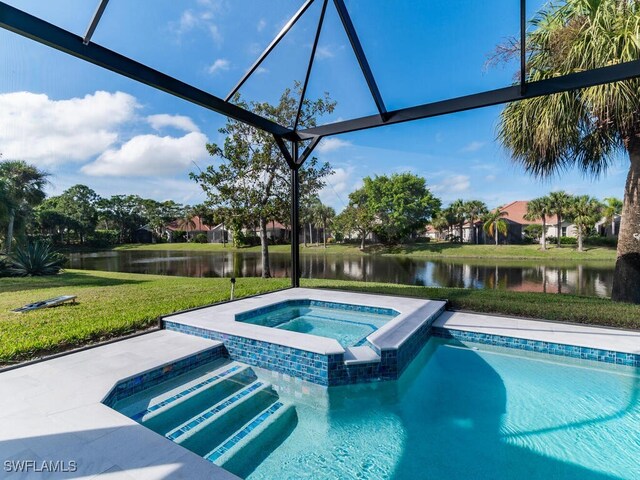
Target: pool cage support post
295,217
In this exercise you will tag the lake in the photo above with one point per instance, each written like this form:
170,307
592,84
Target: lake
593,278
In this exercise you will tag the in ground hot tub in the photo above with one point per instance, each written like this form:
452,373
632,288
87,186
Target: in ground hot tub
347,323
326,337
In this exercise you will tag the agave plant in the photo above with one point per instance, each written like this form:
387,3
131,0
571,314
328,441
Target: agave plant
4,266
35,259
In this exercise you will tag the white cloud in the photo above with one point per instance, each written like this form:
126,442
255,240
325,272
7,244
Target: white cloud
338,186
261,25
201,19
180,122
323,51
36,128
453,184
215,33
261,70
473,147
332,144
220,65
490,178
149,155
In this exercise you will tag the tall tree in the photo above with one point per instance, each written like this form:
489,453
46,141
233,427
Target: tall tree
584,128
539,209
494,224
186,221
560,203
250,176
474,210
585,212
358,216
440,223
612,208
23,187
123,213
79,203
324,216
457,211
401,203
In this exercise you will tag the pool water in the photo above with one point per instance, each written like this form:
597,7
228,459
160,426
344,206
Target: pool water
461,413
348,327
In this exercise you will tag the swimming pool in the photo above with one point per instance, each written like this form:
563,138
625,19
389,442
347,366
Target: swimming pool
459,413
349,324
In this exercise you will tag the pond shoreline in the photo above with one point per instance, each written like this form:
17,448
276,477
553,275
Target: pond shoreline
427,249
587,277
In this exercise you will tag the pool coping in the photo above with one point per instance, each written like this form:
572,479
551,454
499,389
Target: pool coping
411,311
596,343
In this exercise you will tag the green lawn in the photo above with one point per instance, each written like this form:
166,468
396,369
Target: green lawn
109,305
115,304
426,250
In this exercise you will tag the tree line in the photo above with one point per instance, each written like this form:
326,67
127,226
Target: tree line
77,216
583,211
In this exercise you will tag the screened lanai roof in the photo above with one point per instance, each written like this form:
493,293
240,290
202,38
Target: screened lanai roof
394,69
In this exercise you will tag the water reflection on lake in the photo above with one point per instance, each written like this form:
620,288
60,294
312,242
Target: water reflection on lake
594,279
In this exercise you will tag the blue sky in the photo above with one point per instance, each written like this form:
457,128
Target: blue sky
87,125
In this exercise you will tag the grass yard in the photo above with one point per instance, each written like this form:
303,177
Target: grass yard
109,305
116,304
425,250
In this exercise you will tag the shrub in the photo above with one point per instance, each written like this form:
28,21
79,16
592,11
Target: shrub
601,241
4,266
533,231
103,238
200,238
35,259
179,236
563,240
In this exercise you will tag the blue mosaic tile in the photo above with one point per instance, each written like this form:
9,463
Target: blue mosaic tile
216,454
327,370
240,317
151,378
213,411
573,351
138,416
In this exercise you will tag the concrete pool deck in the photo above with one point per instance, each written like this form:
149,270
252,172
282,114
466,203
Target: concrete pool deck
52,411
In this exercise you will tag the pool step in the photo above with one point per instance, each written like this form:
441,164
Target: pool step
197,387
263,433
360,355
207,417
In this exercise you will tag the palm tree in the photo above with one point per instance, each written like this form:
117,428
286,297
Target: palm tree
23,189
585,211
187,221
473,210
324,216
457,213
612,207
494,224
560,204
440,223
540,208
584,128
